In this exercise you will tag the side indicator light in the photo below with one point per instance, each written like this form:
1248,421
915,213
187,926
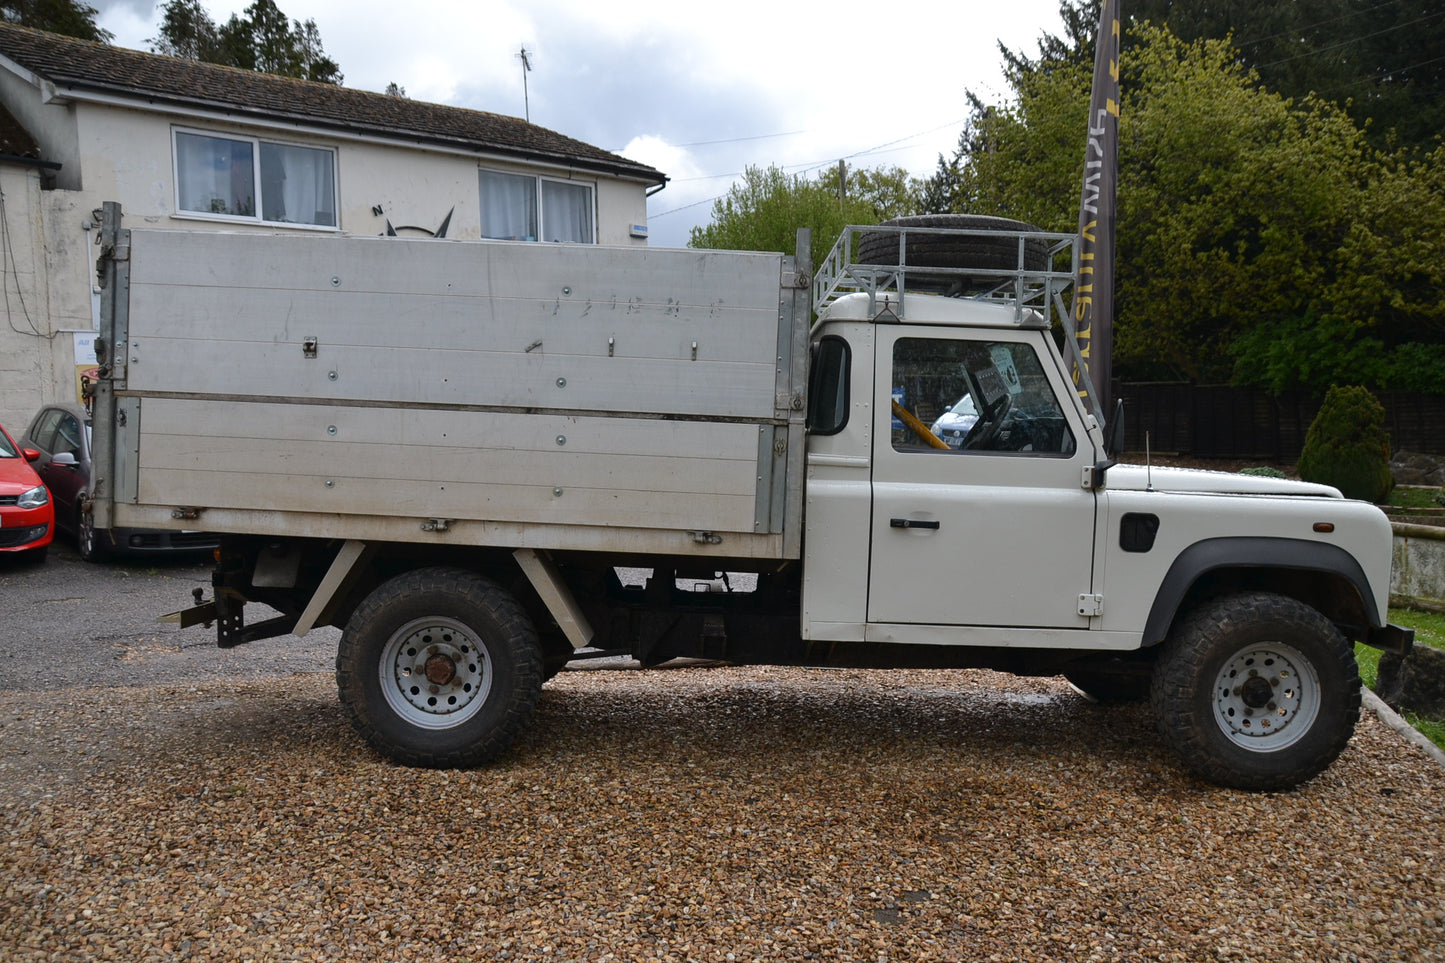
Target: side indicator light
1324,528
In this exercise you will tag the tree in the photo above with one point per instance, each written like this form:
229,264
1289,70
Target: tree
764,211
187,31
263,40
73,18
1378,59
1347,445
1260,239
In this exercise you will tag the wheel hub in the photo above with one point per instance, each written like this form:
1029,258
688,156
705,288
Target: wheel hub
1266,696
1256,692
435,672
440,669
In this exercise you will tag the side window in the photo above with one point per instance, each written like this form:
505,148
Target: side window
975,396
67,436
43,436
828,386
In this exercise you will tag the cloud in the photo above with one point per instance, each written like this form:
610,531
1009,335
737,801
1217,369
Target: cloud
698,91
143,10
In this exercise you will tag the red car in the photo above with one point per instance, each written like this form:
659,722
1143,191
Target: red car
27,515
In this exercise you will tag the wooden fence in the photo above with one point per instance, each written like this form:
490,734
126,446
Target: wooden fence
1217,421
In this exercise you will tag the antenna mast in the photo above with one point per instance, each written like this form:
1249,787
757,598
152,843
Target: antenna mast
526,59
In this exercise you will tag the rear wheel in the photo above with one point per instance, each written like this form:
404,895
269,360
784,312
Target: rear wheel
93,545
1256,691
439,667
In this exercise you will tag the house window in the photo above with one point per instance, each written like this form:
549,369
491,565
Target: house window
225,176
520,207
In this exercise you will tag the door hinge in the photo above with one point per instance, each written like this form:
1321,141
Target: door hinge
1091,606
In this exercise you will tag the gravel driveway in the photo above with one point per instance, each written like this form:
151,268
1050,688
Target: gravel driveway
166,801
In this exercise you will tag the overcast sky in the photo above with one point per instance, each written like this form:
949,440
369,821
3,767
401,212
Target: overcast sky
698,91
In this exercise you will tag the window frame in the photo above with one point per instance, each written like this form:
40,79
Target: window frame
831,363
255,143
42,431
1069,440
538,208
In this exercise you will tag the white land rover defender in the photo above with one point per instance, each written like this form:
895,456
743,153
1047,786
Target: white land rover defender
450,448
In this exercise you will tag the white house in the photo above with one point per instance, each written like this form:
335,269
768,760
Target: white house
187,145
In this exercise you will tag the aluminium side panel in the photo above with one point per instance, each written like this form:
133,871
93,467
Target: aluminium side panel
476,388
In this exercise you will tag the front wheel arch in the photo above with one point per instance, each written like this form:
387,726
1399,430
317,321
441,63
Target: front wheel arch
1324,577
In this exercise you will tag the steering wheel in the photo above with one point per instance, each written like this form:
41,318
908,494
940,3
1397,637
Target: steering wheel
988,424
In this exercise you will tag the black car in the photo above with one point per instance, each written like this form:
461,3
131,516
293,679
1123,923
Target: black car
61,433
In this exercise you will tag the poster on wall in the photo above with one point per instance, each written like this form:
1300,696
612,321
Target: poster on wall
86,367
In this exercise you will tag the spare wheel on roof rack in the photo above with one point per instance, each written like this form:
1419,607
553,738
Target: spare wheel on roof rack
993,253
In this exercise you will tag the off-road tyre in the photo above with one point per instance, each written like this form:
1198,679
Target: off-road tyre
1256,691
440,668
999,253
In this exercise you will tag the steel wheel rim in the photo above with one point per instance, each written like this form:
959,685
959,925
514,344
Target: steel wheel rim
435,672
1266,697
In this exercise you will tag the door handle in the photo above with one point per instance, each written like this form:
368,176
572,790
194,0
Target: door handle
911,523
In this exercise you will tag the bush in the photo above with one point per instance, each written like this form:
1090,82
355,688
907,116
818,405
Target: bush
1263,471
1347,446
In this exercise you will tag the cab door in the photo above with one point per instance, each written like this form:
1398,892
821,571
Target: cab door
988,525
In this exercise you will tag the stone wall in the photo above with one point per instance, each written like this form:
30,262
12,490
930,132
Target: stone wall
1418,570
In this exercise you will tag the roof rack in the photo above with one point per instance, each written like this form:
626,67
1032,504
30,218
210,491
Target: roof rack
1034,279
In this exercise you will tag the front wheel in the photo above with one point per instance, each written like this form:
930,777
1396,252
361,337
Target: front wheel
1256,691
439,667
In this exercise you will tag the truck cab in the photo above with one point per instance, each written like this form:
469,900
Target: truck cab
985,539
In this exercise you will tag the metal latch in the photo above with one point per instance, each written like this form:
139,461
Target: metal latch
308,348
437,524
1091,606
706,538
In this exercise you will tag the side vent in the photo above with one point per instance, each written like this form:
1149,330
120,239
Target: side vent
1137,532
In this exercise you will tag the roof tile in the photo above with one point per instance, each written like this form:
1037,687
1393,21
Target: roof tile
82,65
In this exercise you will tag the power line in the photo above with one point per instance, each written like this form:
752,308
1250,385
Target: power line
1311,26
1380,75
1346,43
730,140
804,167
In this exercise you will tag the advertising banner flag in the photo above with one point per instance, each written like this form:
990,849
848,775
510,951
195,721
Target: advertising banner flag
1094,285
